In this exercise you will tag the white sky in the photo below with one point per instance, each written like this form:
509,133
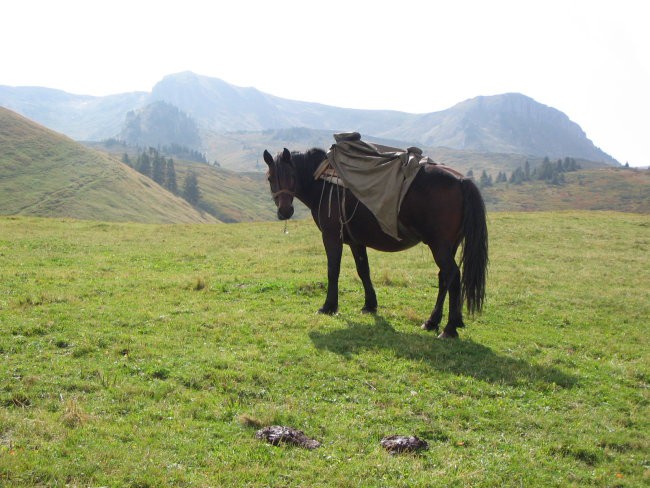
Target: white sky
588,58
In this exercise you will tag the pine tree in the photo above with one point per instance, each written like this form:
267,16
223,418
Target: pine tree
570,165
518,176
486,180
126,160
545,171
144,164
170,177
159,169
191,191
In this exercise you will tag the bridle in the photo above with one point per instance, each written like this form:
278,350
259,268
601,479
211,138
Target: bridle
283,191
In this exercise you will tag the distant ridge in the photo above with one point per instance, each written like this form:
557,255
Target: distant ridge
80,117
46,174
508,123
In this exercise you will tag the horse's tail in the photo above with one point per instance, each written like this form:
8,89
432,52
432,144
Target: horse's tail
475,247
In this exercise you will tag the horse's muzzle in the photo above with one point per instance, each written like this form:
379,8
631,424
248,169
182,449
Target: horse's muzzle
285,213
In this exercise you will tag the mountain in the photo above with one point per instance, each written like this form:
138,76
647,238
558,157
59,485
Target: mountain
508,123
160,124
44,173
80,117
222,107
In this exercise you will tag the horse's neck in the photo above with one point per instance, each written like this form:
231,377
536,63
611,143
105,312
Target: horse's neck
309,187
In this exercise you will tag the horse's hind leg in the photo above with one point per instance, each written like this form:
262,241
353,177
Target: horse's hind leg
363,269
455,304
450,275
433,322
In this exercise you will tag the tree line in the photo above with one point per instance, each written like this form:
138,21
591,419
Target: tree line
184,152
152,164
552,173
173,149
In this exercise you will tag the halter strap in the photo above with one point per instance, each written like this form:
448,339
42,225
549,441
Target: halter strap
280,192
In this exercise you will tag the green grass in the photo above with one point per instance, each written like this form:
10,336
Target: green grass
148,355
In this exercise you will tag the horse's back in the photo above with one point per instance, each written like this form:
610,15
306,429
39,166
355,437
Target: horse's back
433,205
431,209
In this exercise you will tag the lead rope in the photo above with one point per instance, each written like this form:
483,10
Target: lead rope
320,202
344,220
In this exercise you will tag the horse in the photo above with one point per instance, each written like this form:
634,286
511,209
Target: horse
441,208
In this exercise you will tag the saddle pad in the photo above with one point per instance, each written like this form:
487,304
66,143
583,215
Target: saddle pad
379,176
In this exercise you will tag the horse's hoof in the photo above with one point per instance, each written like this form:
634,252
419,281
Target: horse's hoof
369,310
429,327
326,311
448,335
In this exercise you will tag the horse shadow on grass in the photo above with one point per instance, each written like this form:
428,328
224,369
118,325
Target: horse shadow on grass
459,357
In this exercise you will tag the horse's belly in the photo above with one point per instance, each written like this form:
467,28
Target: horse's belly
381,241
394,245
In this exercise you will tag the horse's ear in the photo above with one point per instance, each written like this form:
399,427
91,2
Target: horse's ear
268,159
286,156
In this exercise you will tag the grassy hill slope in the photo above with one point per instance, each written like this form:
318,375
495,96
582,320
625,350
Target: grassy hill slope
148,355
230,196
234,197
621,189
46,174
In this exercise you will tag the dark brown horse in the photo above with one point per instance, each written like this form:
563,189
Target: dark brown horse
440,209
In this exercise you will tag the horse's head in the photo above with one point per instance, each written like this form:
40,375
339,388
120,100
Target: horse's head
282,178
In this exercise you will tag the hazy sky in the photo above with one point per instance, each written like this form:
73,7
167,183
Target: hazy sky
590,59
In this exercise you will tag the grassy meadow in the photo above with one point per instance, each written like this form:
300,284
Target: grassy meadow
148,355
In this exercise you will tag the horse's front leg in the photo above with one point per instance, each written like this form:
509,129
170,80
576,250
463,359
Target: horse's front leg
363,270
334,250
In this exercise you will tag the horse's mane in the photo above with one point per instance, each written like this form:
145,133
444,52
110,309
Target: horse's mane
314,156
307,162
